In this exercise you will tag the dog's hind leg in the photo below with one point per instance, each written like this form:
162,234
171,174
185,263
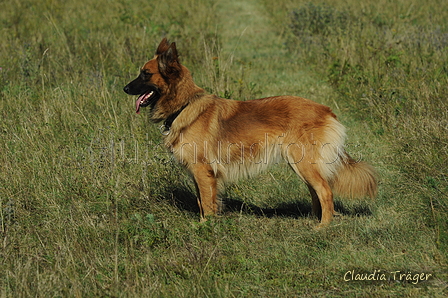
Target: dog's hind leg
316,208
206,185
321,194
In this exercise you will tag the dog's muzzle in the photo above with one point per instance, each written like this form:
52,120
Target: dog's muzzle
144,100
147,94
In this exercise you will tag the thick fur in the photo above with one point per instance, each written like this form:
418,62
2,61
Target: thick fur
221,140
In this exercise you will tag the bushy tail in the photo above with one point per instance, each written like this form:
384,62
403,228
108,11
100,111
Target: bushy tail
354,179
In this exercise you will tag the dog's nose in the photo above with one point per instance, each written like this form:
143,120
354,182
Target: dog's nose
126,89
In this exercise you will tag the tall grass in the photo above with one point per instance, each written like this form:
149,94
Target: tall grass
92,205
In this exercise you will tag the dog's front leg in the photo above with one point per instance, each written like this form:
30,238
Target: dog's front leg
206,184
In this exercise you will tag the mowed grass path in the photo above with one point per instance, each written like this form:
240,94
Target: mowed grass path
92,206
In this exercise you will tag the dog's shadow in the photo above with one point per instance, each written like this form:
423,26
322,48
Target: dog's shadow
186,200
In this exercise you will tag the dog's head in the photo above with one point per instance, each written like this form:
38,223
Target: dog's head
157,82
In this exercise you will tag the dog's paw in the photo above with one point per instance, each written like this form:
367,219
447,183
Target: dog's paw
321,226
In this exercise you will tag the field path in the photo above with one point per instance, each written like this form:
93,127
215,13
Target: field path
248,35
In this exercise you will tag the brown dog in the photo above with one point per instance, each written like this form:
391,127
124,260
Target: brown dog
220,140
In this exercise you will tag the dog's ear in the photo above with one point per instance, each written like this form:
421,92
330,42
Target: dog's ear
163,46
168,61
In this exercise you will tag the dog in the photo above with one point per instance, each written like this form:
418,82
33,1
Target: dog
220,140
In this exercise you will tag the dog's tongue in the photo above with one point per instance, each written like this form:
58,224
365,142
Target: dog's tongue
142,99
137,103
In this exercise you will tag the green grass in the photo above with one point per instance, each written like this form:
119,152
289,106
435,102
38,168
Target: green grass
92,205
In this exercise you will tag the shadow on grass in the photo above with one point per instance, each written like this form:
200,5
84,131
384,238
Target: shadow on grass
294,210
184,199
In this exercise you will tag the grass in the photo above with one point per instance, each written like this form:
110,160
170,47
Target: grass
92,205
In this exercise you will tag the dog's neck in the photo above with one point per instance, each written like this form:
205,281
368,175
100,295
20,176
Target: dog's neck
166,127
169,121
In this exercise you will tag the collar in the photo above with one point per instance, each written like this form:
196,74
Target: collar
166,127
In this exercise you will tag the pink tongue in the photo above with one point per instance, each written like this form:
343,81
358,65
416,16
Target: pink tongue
137,103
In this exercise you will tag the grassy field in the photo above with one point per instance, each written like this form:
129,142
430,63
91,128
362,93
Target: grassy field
92,205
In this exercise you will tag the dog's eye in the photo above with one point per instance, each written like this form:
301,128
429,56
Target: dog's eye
146,74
